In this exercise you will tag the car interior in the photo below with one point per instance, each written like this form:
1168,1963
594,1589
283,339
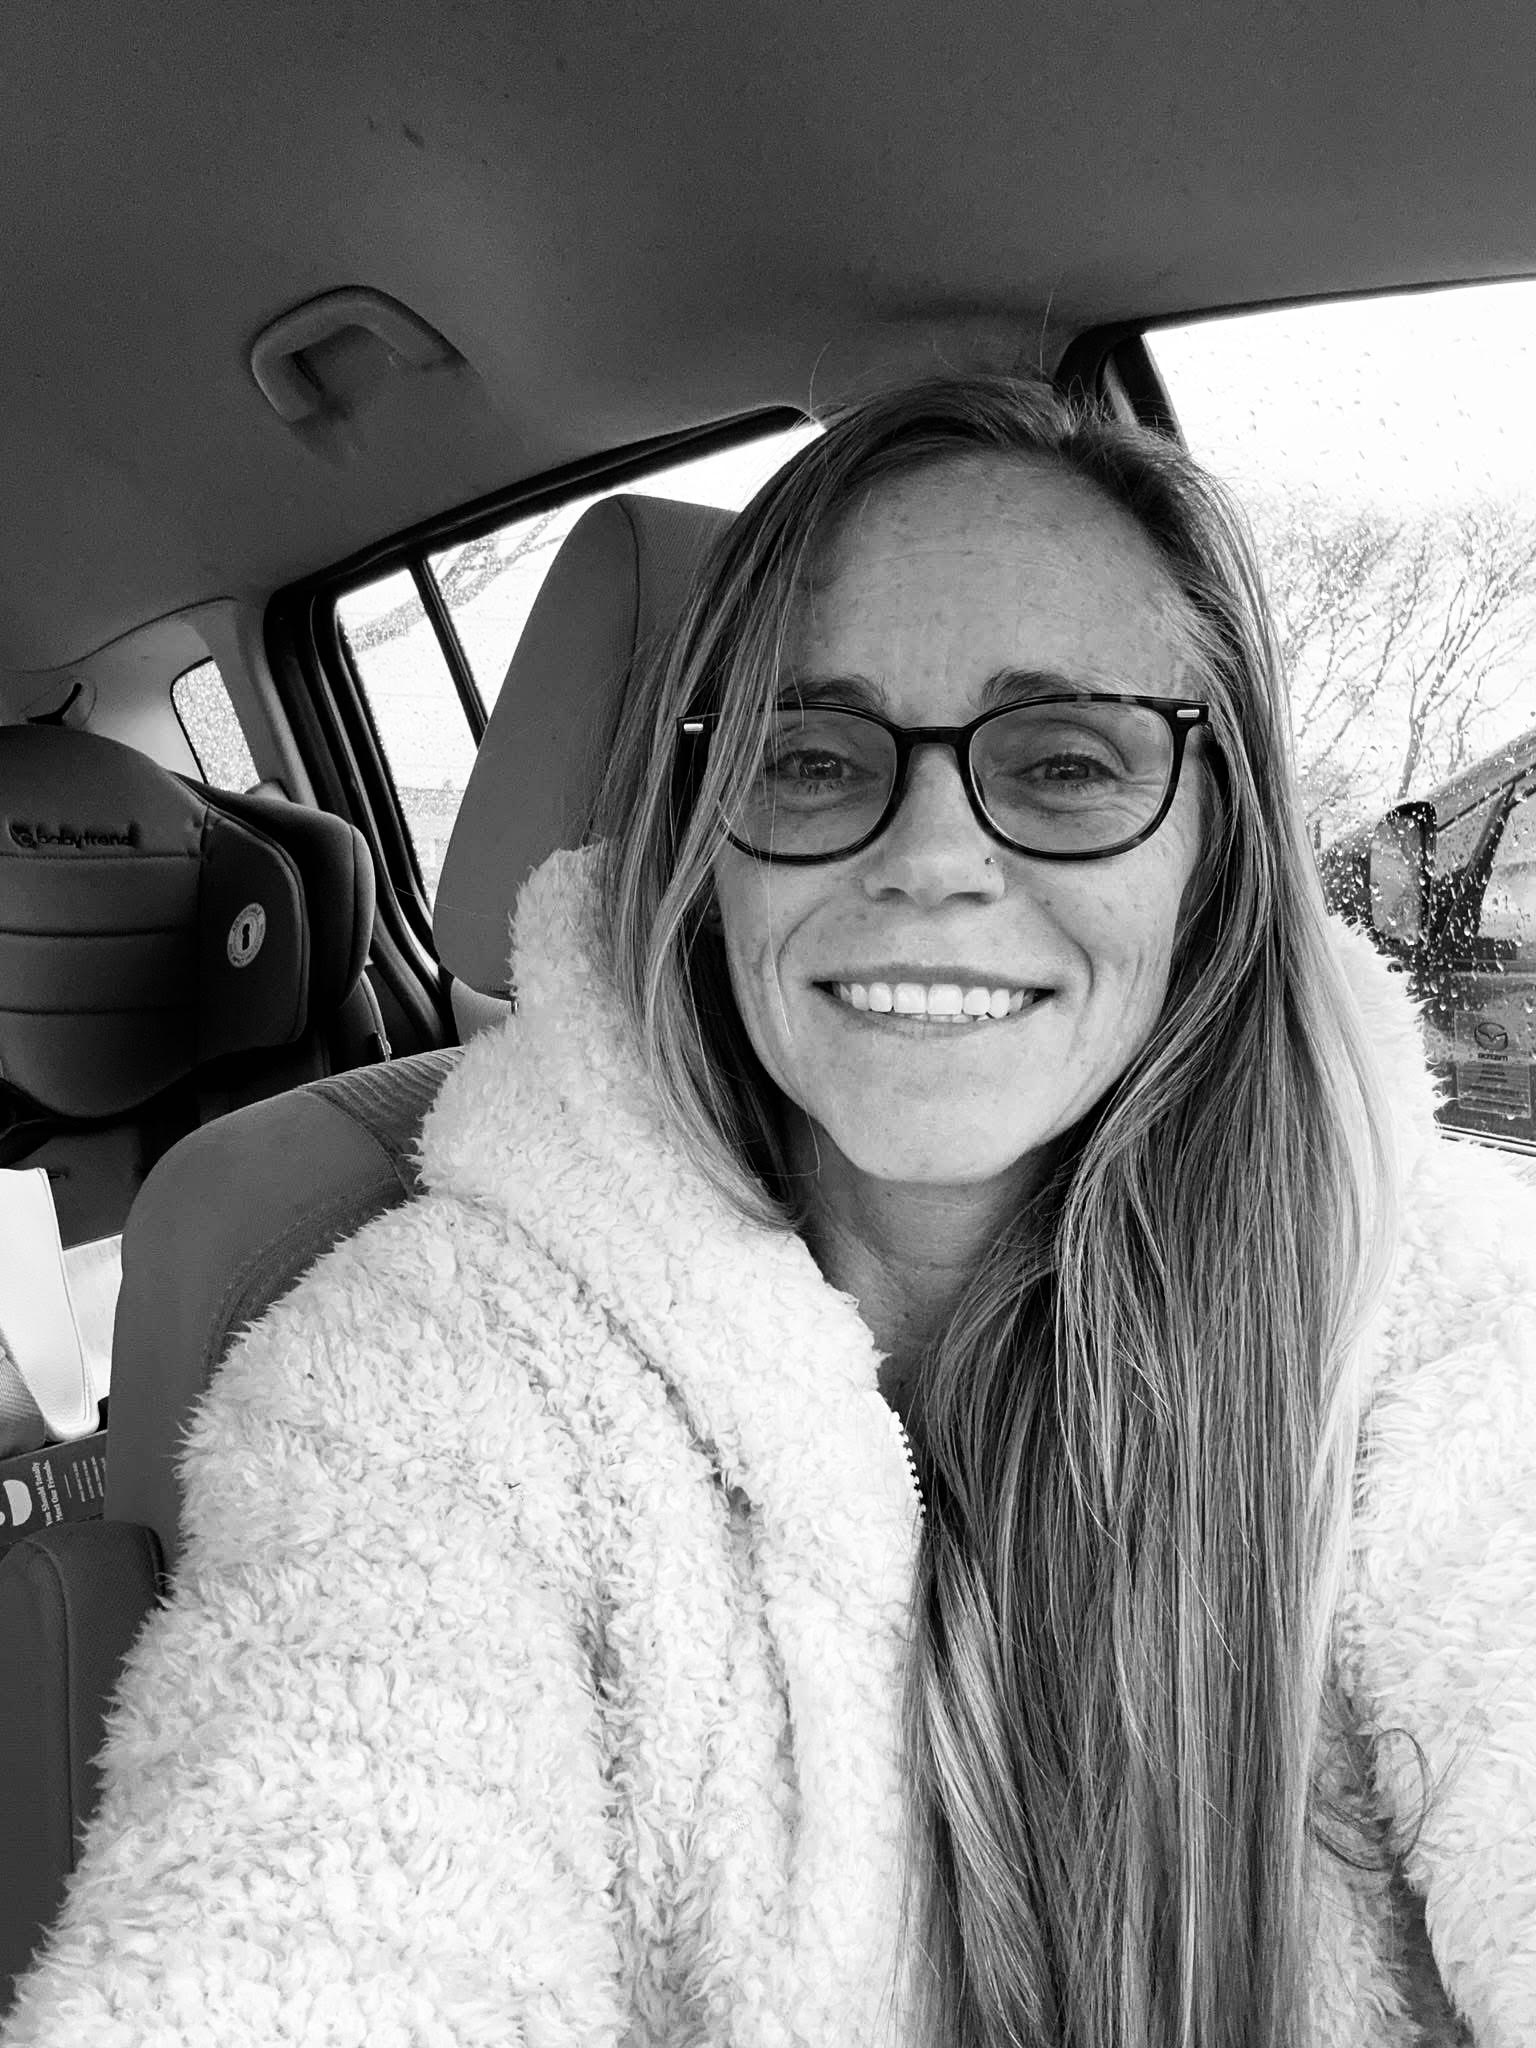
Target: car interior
374,382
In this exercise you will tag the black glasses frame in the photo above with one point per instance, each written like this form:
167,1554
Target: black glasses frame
1181,716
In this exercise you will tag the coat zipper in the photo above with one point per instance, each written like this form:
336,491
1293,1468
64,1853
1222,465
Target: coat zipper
906,1451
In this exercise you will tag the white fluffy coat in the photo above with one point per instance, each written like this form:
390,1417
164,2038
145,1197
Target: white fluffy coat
532,1672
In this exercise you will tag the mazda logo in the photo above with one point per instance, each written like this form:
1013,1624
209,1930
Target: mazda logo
1492,1037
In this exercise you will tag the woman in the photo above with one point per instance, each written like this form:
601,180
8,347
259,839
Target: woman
946,1446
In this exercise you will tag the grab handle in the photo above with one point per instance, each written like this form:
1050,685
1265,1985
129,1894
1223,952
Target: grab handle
291,388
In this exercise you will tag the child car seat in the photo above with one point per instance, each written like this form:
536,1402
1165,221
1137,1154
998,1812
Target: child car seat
166,952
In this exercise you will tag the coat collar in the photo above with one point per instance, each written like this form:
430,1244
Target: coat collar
552,1121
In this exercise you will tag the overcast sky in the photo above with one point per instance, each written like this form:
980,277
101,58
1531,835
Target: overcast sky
1419,399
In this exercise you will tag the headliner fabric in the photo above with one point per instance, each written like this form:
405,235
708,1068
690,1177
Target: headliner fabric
149,926
612,592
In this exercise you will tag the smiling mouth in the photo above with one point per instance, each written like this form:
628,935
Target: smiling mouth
944,1004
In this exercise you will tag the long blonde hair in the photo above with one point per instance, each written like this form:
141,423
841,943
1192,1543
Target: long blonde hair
1137,1435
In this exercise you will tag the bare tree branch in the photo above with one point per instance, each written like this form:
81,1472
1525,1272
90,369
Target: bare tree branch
1400,638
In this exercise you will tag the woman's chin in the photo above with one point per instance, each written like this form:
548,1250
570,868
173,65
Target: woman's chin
955,1158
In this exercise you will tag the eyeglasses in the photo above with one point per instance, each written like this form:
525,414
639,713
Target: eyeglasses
1072,776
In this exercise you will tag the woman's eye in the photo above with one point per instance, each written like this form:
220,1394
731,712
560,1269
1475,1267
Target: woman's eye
1068,768
808,767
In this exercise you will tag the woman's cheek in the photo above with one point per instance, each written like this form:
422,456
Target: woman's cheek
761,1004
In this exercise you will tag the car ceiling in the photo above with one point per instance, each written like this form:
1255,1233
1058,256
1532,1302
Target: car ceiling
632,219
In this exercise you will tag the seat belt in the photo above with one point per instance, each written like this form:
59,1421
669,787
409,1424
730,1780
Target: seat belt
56,1311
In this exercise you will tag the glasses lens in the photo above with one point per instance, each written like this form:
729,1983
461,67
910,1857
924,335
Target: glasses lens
821,784
1073,777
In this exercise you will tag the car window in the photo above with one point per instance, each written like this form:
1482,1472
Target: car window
426,720
1384,454
1460,838
1382,451
1508,914
416,710
201,702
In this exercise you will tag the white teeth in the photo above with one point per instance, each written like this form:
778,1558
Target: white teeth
943,1001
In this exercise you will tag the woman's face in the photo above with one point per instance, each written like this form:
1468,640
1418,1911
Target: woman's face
938,582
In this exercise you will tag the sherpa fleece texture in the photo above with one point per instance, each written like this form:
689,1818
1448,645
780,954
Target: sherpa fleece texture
532,1672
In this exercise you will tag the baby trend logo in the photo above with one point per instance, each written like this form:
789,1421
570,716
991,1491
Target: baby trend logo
84,839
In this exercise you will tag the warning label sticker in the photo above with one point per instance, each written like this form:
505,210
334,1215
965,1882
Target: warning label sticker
1493,1072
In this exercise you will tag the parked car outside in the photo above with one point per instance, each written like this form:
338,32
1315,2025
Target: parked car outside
1472,961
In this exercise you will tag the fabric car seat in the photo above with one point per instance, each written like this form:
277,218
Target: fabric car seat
233,1213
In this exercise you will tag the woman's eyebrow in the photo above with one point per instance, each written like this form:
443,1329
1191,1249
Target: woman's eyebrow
1009,685
857,692
1004,686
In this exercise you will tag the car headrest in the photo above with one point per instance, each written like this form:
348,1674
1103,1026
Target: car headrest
614,589
149,926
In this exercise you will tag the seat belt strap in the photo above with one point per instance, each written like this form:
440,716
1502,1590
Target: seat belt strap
37,1317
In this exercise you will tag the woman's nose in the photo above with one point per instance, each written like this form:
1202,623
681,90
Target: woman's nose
935,846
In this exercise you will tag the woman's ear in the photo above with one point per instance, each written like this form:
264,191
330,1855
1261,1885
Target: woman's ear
709,913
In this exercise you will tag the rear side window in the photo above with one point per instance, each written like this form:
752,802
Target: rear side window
489,585
428,745
428,715
207,717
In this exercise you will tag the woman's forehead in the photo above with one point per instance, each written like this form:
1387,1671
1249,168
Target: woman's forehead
1024,509
998,556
